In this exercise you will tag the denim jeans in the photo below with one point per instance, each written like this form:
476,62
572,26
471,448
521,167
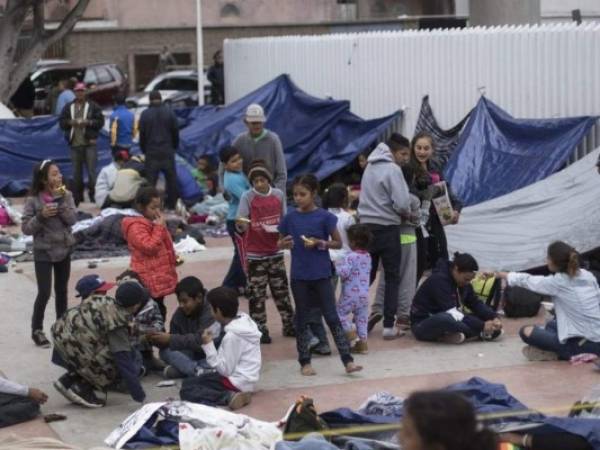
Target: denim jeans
436,326
319,293
235,278
546,338
182,361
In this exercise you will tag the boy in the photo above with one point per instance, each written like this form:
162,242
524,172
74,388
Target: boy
259,213
91,341
237,362
181,349
92,285
235,184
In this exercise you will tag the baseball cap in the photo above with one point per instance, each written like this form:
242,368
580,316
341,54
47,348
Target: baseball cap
255,113
80,87
89,284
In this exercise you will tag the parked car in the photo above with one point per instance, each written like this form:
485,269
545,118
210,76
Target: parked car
104,80
178,88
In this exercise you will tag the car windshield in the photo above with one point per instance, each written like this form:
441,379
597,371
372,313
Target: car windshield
48,78
174,84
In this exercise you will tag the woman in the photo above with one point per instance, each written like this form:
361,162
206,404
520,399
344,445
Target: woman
576,297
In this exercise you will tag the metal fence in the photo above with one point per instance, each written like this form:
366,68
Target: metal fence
542,71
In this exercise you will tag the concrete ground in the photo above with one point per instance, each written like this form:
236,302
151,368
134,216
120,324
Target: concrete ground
399,366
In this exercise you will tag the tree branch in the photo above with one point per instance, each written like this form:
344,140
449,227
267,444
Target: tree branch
68,22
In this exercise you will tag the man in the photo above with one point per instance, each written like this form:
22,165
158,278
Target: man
165,60
65,96
216,77
384,200
159,139
260,143
122,125
82,120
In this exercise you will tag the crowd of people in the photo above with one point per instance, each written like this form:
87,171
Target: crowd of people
106,342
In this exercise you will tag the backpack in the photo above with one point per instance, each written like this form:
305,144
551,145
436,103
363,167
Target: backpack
488,290
521,302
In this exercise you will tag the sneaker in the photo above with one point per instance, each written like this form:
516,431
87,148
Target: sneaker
360,347
453,338
313,343
351,336
83,394
390,334
322,349
265,338
63,385
374,319
239,400
535,354
491,336
203,371
403,323
171,373
39,338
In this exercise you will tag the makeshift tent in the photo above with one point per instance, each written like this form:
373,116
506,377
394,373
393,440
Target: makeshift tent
512,232
445,140
318,136
498,154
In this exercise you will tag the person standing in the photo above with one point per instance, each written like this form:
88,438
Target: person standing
165,61
216,77
82,120
263,144
122,125
384,199
159,139
65,96
48,215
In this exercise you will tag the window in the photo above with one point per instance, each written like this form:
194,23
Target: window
104,77
177,84
90,77
230,10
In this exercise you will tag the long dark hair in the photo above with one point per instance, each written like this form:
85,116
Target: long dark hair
448,420
40,176
308,181
336,196
419,172
564,257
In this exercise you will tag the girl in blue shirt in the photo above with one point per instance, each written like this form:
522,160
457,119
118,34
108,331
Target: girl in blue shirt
306,231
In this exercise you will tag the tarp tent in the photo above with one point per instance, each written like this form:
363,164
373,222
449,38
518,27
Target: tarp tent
498,154
318,136
5,113
512,232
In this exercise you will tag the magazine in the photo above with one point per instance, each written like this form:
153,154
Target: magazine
443,205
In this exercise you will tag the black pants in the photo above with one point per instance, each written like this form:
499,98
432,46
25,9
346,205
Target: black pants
386,247
43,276
433,248
16,409
167,167
207,389
440,324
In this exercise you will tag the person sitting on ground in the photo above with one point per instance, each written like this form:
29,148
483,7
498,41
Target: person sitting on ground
128,180
442,420
148,319
237,362
181,349
92,342
152,254
576,297
206,176
18,403
438,312
107,177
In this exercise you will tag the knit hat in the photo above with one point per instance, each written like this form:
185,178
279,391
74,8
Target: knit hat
131,293
255,113
89,284
259,168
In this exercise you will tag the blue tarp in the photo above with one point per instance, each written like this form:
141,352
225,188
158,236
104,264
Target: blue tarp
498,154
318,136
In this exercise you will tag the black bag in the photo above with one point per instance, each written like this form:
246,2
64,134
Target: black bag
304,419
521,302
16,409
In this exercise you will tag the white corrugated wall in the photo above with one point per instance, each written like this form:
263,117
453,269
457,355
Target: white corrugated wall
530,71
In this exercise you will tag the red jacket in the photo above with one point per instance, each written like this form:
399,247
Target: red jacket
152,255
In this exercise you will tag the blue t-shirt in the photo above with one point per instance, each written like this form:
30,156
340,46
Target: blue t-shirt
236,184
309,264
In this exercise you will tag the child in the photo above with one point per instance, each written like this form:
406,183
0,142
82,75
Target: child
264,207
435,246
306,231
576,297
235,184
181,348
335,201
48,215
237,362
354,269
107,176
152,254
90,285
206,176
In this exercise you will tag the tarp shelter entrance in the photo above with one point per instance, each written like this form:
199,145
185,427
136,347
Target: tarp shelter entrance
318,136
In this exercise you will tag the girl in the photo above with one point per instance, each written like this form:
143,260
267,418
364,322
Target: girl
335,201
306,231
355,271
576,297
443,421
434,247
48,215
151,247
206,176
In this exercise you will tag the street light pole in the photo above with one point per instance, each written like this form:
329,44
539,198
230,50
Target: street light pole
200,52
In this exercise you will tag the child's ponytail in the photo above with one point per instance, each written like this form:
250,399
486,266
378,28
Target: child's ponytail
573,264
564,257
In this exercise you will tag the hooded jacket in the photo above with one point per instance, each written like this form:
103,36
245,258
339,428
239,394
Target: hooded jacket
238,358
152,255
440,293
91,112
384,196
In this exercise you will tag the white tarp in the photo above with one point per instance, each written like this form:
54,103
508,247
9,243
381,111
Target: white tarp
512,232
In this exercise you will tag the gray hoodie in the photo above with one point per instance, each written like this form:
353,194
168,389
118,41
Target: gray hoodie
384,196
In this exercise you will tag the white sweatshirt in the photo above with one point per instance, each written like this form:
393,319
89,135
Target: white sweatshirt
239,357
10,387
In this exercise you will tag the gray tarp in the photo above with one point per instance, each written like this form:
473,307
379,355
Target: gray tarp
512,232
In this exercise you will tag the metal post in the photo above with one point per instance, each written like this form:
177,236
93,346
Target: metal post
200,52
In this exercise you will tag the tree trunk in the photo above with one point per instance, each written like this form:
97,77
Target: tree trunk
13,71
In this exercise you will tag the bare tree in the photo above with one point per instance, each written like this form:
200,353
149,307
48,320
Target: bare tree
14,68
